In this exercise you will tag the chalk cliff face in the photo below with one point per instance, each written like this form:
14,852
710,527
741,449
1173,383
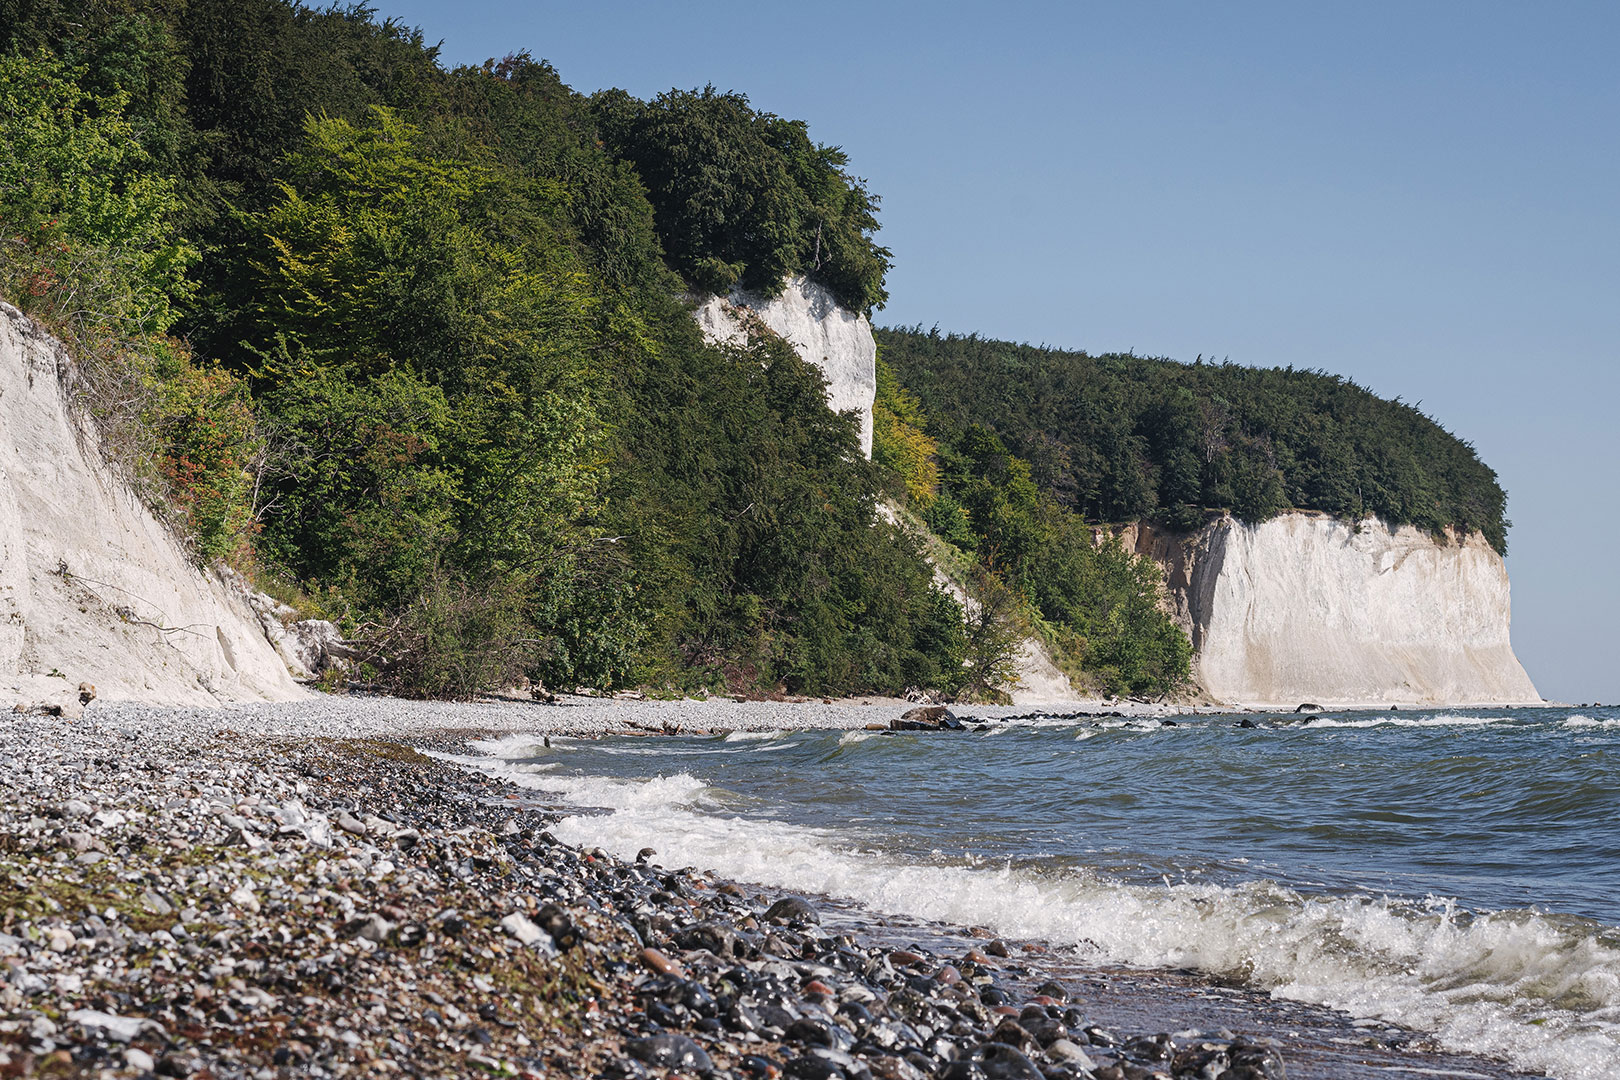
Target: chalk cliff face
1305,608
833,338
92,587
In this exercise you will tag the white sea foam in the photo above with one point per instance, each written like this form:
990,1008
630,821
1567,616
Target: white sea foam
1541,991
756,736
1442,720
1579,721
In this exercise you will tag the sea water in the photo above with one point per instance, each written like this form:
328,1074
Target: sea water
1454,871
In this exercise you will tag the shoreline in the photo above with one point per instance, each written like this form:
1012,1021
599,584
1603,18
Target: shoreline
579,716
238,892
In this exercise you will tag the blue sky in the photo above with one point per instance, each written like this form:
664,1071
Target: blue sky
1424,197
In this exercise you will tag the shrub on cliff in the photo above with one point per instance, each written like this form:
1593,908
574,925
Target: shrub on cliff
900,443
90,246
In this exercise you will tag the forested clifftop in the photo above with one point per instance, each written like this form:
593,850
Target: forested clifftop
412,346
1120,437
1310,540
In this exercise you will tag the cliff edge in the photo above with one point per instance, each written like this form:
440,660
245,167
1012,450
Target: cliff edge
93,589
806,316
1307,608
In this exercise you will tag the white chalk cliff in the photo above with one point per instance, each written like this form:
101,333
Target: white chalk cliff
1306,608
93,588
806,316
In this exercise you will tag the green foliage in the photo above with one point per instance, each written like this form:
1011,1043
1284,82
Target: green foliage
1117,438
364,494
793,582
418,333
87,238
950,521
1096,601
995,632
89,245
899,443
746,198
484,432
1102,599
205,440
455,639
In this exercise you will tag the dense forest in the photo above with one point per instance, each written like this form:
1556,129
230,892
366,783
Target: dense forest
1094,604
1120,438
412,345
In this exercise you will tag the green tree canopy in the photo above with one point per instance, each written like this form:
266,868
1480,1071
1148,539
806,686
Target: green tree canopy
743,197
1119,437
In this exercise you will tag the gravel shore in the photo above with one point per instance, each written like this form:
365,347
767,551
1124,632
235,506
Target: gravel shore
297,891
361,716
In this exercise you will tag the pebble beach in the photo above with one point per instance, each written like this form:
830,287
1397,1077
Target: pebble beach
306,889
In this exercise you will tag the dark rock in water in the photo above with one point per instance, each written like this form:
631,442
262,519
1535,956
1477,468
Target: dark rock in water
1247,723
1168,723
927,718
1308,707
792,911
1256,1060
670,1052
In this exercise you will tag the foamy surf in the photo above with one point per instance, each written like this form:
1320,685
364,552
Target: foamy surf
1444,720
755,736
1579,721
1540,991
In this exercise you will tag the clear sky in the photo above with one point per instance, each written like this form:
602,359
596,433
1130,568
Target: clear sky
1422,196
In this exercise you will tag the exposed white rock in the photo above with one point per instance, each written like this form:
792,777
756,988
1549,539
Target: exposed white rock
1306,608
835,339
307,646
1040,681
92,587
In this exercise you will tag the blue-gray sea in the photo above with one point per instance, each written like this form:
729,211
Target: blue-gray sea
1454,871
